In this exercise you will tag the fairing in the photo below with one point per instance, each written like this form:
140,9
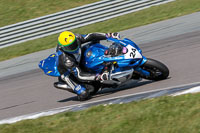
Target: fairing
49,65
94,58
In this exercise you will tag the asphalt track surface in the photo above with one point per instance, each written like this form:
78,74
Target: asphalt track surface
32,91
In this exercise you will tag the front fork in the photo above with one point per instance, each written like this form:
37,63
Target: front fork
141,71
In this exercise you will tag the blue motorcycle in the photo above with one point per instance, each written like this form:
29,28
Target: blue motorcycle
125,64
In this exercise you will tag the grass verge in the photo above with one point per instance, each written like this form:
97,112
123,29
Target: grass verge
13,11
143,17
161,115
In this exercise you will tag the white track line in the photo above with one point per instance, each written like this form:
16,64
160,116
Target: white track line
66,108
191,90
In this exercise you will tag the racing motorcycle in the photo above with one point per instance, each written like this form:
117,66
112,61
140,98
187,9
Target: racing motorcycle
127,63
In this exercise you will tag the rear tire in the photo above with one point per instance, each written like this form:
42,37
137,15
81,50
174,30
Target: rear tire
93,88
158,71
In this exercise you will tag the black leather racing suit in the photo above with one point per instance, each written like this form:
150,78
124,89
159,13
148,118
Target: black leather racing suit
70,62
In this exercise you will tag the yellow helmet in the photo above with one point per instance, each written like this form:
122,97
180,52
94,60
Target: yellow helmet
67,41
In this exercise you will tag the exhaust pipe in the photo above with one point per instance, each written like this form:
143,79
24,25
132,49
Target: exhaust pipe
63,86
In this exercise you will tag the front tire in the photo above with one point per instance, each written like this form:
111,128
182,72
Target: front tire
158,71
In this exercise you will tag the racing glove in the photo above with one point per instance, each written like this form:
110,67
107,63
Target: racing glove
115,35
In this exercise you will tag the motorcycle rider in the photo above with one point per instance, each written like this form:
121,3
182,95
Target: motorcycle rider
70,46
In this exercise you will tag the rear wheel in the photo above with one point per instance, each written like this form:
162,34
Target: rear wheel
158,71
93,88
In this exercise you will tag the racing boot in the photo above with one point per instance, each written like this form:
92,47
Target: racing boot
82,92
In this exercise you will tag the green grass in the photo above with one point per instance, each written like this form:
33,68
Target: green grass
143,17
13,11
161,115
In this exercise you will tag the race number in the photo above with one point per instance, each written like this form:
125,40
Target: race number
132,53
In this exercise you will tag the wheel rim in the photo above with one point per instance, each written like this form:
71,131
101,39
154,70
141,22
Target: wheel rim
154,72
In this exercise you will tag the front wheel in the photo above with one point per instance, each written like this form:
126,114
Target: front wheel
158,71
